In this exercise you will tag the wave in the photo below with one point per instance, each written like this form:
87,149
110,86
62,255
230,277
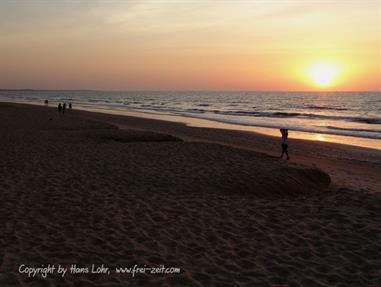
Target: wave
368,120
353,130
326,108
196,110
369,134
267,114
299,115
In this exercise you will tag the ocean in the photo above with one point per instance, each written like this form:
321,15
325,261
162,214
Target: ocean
347,114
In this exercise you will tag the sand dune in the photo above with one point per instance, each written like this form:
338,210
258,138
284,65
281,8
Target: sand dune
80,191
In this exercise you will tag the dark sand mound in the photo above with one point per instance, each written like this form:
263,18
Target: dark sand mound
129,136
226,217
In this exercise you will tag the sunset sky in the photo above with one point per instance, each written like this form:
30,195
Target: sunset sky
191,45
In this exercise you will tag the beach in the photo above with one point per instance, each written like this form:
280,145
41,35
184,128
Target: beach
219,206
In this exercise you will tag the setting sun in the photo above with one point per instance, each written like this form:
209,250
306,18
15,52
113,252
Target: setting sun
323,74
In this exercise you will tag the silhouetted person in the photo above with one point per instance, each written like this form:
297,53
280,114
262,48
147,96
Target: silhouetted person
69,106
46,102
63,108
284,133
59,107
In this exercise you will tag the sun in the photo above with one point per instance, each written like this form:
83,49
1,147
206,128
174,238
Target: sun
323,74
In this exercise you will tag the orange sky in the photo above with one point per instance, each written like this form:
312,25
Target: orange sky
188,45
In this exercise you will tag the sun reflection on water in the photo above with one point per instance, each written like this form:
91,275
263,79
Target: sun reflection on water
320,137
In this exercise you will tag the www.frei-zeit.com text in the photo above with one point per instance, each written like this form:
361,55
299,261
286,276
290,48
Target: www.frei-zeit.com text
61,270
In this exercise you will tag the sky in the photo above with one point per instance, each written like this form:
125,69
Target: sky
191,45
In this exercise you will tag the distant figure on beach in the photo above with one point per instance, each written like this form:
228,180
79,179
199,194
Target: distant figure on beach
63,108
284,133
59,107
69,106
46,102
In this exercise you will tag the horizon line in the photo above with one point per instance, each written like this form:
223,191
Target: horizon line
190,90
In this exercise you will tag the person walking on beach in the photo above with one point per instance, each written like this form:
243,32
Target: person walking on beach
59,107
284,133
46,102
69,106
63,108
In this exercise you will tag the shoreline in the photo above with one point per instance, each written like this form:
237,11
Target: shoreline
363,142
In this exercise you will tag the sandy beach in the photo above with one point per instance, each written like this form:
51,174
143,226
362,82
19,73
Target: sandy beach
218,205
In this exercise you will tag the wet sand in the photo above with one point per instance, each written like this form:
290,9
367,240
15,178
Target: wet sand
88,188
